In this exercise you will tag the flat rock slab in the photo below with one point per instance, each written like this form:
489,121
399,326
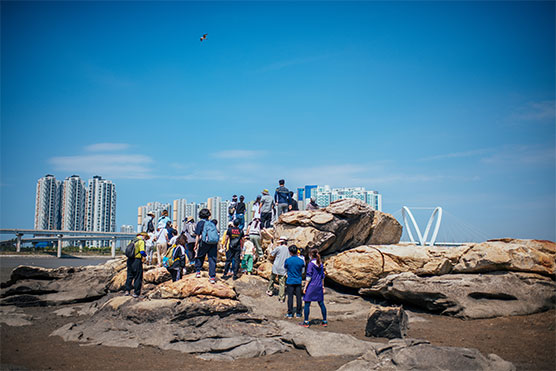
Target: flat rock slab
469,295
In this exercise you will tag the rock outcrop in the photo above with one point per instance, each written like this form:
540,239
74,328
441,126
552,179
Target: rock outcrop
363,266
411,354
342,225
469,295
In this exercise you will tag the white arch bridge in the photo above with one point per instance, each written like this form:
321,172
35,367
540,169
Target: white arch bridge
455,232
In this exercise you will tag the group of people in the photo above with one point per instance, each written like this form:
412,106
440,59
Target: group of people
200,240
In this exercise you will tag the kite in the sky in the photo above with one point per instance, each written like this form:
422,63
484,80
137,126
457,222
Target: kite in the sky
204,37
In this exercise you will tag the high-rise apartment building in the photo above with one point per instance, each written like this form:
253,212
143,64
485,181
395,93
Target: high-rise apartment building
47,203
179,211
101,207
73,204
325,195
126,229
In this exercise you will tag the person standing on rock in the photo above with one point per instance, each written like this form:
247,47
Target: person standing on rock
312,205
163,220
178,258
254,233
189,232
267,204
314,287
234,235
256,209
161,243
293,206
205,245
281,198
148,227
294,267
135,266
280,254
232,209
240,212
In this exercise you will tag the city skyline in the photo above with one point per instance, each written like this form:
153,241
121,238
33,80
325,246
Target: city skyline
447,104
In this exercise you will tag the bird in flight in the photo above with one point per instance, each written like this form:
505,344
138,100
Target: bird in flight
204,37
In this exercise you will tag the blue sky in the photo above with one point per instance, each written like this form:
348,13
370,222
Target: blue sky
446,104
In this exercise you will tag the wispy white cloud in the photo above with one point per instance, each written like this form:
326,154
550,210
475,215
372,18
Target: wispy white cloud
107,165
238,154
471,153
542,111
523,155
106,147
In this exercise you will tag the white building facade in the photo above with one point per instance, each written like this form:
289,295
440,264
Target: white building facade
47,203
326,195
73,204
101,207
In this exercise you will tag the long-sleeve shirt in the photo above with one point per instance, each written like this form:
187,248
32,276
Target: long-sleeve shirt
282,195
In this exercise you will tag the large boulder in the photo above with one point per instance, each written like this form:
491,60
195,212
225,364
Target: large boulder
386,322
364,265
534,256
157,275
342,225
469,295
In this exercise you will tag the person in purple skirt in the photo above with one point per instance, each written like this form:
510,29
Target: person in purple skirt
314,287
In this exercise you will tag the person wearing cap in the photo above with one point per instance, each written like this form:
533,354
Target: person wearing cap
280,254
135,266
267,204
190,236
312,205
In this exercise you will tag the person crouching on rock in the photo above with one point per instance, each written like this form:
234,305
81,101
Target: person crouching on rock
280,254
178,258
314,287
135,266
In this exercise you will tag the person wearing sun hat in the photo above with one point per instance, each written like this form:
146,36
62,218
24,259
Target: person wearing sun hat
135,266
280,254
267,203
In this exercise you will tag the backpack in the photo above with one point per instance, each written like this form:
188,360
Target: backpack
150,226
169,259
130,249
210,233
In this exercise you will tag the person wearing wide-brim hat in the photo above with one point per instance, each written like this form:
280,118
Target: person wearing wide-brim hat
266,206
135,265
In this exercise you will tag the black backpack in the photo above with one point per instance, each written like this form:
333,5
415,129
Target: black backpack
130,249
150,226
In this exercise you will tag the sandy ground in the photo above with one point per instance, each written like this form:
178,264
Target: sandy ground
527,341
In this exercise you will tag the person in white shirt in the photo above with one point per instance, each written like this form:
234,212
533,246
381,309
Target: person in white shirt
256,209
161,244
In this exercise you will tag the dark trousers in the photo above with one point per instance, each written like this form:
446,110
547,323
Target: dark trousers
291,290
204,250
175,273
265,219
190,252
233,259
134,274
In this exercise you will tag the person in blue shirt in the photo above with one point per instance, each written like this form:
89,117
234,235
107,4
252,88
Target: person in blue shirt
294,266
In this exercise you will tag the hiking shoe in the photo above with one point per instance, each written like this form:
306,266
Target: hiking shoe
298,315
269,293
212,280
235,278
304,323
135,295
126,293
198,275
289,316
225,277
324,323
